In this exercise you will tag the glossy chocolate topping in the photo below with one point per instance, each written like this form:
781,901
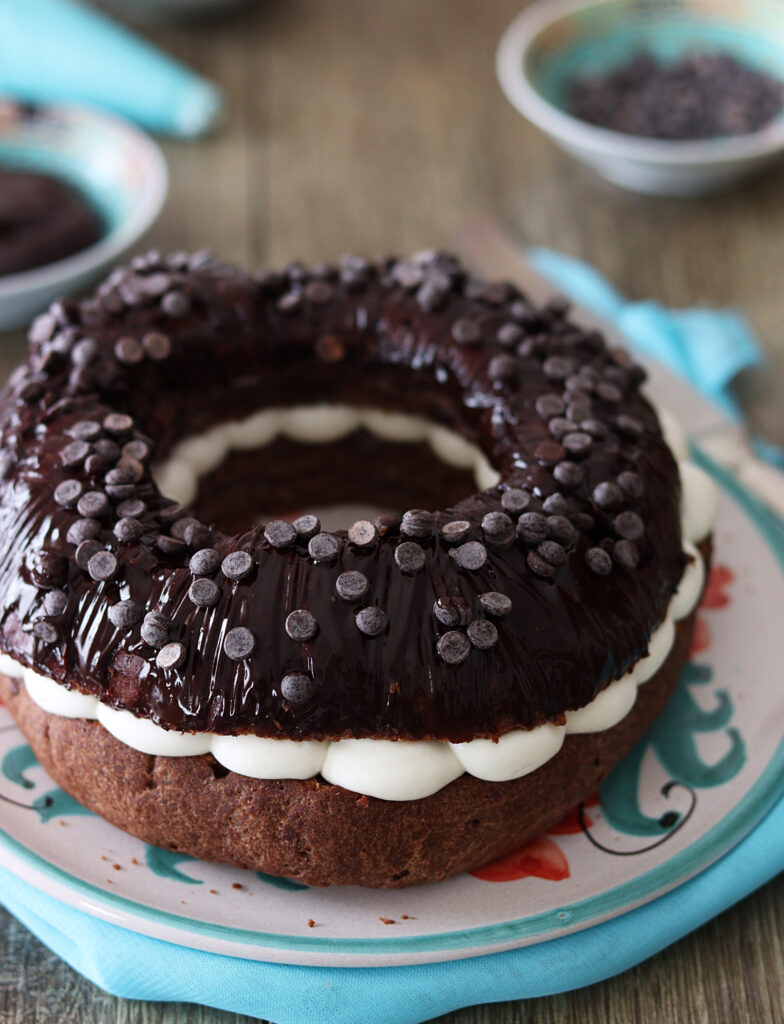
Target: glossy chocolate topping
42,219
510,607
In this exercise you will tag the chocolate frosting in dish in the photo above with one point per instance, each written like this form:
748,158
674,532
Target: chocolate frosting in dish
502,611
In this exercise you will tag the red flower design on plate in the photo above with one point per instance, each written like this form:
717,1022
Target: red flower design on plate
541,858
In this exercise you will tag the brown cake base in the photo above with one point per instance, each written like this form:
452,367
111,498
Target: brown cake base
318,833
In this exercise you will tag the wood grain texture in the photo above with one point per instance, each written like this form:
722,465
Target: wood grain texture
379,127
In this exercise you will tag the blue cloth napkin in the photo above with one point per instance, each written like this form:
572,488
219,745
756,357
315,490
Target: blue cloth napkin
59,51
706,347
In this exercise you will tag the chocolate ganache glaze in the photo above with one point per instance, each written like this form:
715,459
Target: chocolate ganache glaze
509,608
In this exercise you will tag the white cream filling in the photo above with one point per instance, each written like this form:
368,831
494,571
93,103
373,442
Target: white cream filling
390,770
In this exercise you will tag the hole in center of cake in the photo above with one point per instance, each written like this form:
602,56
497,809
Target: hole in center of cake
358,476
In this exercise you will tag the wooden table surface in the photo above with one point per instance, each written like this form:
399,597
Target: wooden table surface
373,127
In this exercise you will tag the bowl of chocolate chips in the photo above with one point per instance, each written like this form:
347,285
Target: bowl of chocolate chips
78,188
673,97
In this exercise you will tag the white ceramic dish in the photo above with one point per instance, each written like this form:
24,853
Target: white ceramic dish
553,40
115,166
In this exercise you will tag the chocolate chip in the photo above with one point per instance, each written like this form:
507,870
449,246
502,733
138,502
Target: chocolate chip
498,529
290,302
471,556
106,450
629,526
297,688
609,392
515,500
175,304
180,526
55,602
409,557
362,533
169,545
74,453
93,503
42,329
552,552
306,526
171,655
548,406
204,562
628,426
555,504
67,493
560,529
319,292
46,632
539,566
598,561
582,521
95,466
455,531
482,634
47,567
156,284
128,530
453,647
557,367
237,565
157,346
466,332
128,351
102,566
631,483
204,593
577,443
132,508
625,554
125,614
559,427
408,275
239,643
452,611
595,428
568,474
83,529
432,293
117,423
372,621
138,450
509,335
324,547
495,603
120,475
503,368
352,586
279,533
301,625
549,452
131,467
532,527
607,495
417,522
85,430
85,552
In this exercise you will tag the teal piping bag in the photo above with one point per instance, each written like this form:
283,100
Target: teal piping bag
59,51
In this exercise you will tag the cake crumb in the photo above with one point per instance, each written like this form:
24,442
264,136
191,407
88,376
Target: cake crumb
363,801
387,920
407,917
236,885
213,892
116,867
134,860
311,923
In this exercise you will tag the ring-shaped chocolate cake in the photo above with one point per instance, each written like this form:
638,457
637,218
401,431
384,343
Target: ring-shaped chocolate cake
385,704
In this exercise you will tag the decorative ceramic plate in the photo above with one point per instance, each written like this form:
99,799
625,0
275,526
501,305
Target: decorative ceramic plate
705,774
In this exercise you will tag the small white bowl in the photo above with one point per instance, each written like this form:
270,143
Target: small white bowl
555,40
117,168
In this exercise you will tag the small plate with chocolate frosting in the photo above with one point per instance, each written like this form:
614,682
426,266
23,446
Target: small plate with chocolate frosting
77,189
